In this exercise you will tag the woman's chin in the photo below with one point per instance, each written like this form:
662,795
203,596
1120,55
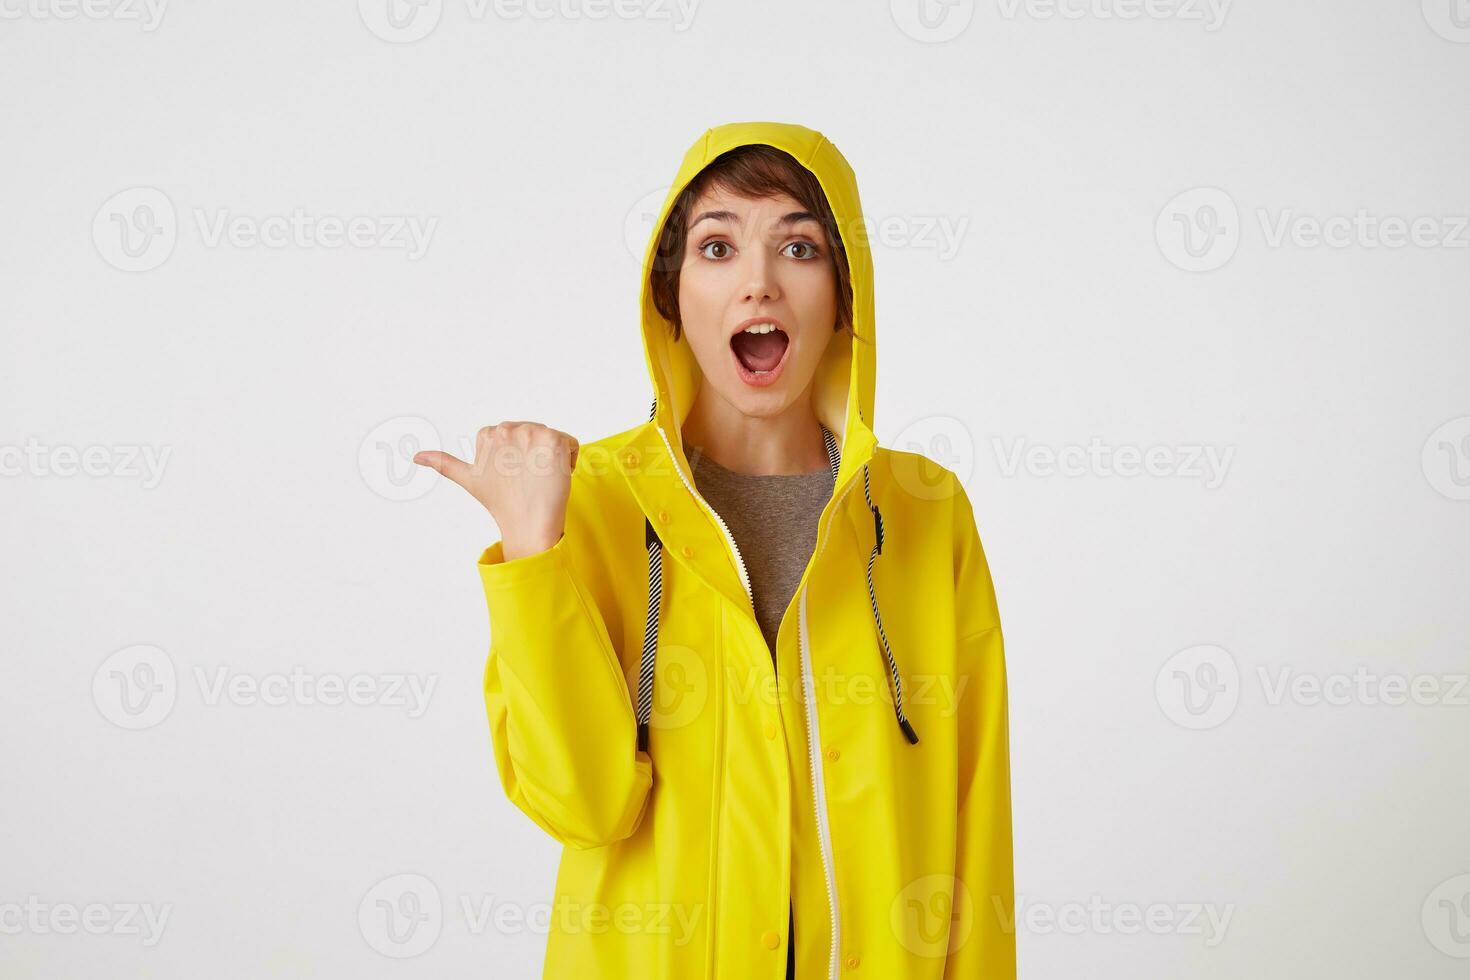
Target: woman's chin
759,401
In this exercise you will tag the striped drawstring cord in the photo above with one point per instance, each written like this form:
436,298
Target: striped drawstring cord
650,626
650,631
655,598
903,722
835,458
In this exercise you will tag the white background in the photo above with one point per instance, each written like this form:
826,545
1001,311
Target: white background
1054,148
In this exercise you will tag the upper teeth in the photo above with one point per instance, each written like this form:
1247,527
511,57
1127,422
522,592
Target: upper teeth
760,328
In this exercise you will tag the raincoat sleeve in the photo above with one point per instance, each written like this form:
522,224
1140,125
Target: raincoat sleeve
983,861
561,719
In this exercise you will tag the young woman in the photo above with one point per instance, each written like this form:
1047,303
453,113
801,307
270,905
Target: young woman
746,664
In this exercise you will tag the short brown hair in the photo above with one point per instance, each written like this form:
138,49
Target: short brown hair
753,170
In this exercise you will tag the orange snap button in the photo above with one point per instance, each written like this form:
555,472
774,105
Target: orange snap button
630,459
852,962
770,729
833,754
771,939
663,517
687,551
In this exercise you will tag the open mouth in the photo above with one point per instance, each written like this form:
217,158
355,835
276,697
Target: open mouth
760,353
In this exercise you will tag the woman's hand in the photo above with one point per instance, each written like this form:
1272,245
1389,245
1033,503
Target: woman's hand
522,473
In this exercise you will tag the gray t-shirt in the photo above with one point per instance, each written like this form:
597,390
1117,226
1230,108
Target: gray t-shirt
773,519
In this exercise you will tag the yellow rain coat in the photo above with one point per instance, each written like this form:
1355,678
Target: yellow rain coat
746,788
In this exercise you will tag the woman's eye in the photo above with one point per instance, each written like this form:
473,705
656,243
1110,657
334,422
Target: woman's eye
811,250
703,249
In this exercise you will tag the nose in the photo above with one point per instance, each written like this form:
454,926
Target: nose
760,277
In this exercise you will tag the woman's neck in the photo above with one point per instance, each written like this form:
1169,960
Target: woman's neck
784,444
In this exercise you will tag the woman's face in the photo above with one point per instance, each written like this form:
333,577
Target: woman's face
757,261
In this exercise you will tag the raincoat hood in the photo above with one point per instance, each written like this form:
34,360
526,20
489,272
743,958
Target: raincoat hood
843,387
842,396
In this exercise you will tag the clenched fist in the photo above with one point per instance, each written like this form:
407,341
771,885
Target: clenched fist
522,473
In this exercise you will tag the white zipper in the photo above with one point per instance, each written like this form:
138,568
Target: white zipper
730,538
814,755
819,795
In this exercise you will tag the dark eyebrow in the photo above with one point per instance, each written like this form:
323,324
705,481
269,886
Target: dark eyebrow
789,219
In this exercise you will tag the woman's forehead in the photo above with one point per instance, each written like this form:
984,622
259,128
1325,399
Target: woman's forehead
764,208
